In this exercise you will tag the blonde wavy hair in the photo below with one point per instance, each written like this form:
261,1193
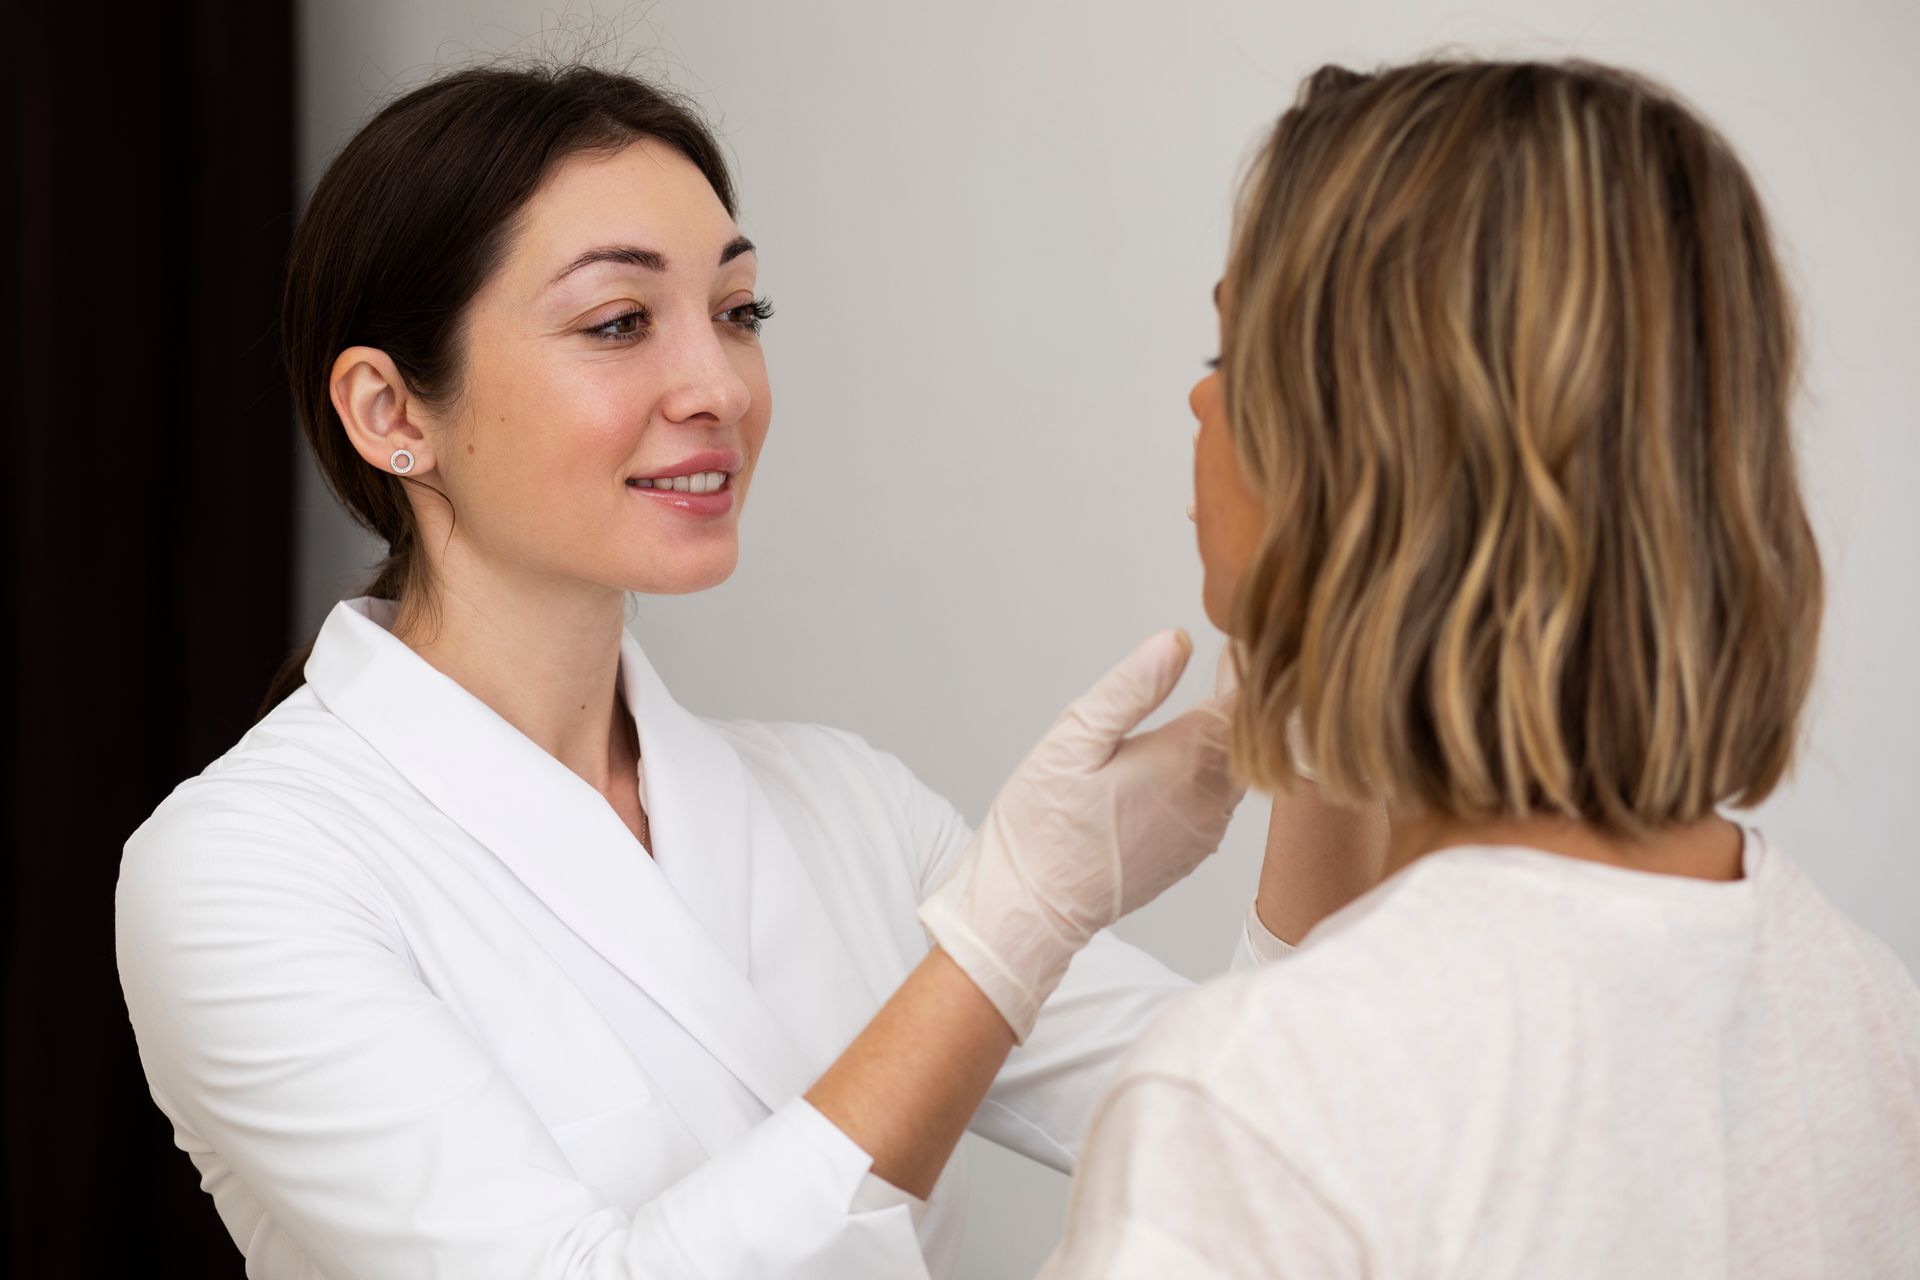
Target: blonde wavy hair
1508,359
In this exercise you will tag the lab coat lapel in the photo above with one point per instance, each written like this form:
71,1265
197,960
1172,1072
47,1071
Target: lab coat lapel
696,802
560,837
827,1001
718,838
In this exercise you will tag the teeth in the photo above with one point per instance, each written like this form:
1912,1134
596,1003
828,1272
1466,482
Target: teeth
700,482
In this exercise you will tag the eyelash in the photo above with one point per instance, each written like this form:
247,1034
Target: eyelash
759,311
1213,362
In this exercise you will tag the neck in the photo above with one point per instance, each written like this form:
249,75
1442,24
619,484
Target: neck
542,653
1709,849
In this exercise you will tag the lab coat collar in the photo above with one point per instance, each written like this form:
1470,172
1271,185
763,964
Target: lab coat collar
566,844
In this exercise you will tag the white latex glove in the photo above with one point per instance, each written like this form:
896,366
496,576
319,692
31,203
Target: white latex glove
1092,825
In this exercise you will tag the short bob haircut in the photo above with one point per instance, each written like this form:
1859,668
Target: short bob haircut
1508,360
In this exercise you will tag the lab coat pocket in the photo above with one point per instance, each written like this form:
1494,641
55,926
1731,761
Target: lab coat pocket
630,1153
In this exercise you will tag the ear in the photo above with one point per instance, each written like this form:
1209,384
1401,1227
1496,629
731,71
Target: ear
373,403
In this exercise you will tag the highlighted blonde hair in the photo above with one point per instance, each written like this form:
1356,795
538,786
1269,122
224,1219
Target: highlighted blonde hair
1508,360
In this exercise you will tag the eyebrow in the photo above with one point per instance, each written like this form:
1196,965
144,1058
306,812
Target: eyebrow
649,259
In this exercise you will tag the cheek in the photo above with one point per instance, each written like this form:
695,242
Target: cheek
751,430
1227,516
759,415
544,452
582,429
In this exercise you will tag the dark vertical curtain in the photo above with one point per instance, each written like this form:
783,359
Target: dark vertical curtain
149,482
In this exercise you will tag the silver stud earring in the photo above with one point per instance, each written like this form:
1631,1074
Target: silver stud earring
401,461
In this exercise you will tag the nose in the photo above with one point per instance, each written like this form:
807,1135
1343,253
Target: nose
704,381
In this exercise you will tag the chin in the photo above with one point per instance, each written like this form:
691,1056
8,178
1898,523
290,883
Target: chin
699,573
1218,604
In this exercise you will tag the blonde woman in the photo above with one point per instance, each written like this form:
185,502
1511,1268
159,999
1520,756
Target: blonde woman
1495,487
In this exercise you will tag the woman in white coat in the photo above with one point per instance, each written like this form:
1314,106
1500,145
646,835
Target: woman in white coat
481,957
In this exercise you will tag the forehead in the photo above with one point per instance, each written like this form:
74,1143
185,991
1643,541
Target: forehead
646,194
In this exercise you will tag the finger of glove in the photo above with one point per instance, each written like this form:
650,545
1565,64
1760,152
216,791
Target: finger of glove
1163,834
1094,723
1175,778
1185,765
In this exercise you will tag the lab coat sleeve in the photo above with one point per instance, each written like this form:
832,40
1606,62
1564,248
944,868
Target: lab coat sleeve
1041,1100
282,1025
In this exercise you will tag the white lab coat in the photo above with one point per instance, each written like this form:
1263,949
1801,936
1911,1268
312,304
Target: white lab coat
418,1004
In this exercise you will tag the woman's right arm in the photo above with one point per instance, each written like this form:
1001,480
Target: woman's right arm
281,1022
1092,824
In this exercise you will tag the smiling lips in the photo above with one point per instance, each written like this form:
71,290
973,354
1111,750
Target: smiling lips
698,482
702,466
699,485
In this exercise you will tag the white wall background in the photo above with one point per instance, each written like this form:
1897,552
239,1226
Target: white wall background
991,228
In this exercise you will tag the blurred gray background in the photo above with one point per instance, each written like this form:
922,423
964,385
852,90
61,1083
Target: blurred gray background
991,230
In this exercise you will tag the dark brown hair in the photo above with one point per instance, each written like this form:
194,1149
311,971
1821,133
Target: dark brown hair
410,219
1509,359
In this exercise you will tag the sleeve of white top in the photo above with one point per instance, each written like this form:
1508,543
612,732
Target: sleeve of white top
1175,1184
280,1019
1258,945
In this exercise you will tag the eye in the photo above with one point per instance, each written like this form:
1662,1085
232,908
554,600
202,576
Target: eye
1213,362
750,315
628,326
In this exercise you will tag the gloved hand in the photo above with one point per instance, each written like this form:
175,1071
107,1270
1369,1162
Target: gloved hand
1092,825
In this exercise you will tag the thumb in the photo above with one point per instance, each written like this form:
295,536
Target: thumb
1128,693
